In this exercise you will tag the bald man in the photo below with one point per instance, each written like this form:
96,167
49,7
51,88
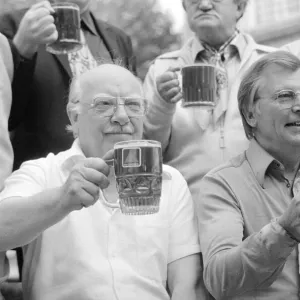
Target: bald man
76,247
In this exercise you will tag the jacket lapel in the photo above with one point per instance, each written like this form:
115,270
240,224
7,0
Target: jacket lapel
63,60
108,36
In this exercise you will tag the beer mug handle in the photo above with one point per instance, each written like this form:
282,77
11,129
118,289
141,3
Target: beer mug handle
102,197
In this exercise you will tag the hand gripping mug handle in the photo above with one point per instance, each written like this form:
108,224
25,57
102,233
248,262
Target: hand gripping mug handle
102,197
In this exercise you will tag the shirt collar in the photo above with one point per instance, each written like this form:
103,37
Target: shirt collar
238,42
88,23
262,162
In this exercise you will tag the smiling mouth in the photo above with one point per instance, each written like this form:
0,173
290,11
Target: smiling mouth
118,133
297,124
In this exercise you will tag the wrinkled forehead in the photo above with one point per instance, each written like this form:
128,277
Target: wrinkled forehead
276,77
112,81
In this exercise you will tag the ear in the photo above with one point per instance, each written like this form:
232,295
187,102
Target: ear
73,117
241,7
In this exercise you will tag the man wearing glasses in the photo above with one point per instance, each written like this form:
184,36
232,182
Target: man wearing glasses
249,208
74,246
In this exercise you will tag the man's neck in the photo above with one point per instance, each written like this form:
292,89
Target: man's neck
217,41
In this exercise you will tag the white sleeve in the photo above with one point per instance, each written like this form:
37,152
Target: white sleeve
184,238
29,180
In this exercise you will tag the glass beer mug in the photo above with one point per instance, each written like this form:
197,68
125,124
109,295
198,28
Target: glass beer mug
67,22
138,171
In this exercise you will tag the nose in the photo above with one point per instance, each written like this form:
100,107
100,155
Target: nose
296,105
205,5
120,115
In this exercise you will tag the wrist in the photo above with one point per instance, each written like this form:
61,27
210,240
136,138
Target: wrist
26,50
281,223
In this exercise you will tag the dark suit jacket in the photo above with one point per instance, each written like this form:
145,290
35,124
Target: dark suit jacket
40,90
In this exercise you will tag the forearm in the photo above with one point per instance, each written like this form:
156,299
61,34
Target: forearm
255,263
185,292
158,121
21,86
23,219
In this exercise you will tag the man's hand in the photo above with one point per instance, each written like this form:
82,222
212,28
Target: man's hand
168,85
36,28
82,186
290,220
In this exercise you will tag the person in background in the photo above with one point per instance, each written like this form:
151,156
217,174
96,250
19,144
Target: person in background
41,80
76,247
248,208
195,140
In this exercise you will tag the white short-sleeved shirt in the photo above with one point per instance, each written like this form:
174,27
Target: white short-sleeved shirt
98,253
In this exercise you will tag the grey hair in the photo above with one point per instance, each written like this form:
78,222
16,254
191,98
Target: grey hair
75,90
252,82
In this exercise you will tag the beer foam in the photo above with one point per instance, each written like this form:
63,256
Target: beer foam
137,143
56,6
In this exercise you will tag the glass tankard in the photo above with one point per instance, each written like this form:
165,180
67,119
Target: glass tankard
138,171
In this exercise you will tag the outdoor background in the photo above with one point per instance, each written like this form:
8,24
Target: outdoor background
158,26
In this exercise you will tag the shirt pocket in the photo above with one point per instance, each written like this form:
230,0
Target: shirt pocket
152,236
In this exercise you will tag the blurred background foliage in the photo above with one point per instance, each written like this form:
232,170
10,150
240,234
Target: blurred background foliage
150,28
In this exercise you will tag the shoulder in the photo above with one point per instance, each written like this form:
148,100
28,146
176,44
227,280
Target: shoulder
229,171
257,47
6,56
293,47
109,27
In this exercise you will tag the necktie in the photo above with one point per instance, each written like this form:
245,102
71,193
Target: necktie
217,58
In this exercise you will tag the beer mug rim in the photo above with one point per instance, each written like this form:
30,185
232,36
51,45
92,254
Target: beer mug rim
137,143
65,4
199,65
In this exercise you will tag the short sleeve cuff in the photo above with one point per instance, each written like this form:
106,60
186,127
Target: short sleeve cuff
183,251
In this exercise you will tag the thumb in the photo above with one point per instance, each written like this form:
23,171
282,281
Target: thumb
108,157
174,69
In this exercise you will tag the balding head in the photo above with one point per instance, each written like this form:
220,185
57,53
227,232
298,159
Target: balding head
106,105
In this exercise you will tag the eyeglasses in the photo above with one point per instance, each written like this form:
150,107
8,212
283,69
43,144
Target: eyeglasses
199,1
107,106
286,98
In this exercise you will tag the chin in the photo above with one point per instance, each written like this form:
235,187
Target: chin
115,138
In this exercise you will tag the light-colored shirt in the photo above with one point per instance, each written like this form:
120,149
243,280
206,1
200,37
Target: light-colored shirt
246,254
6,75
99,253
191,143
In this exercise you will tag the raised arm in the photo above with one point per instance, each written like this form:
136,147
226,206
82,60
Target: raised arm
26,30
161,90
27,207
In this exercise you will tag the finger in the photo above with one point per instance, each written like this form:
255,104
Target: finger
51,38
164,87
48,34
42,4
95,177
97,164
165,77
109,155
174,69
45,21
176,98
42,13
91,189
172,93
